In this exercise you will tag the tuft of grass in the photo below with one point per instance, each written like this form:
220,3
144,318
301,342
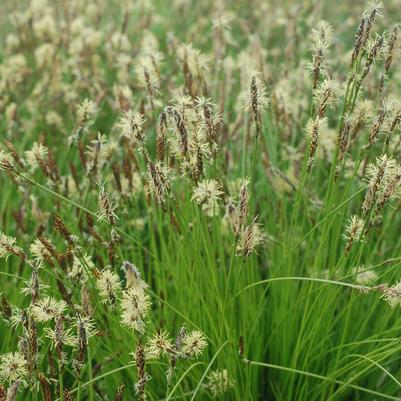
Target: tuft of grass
199,201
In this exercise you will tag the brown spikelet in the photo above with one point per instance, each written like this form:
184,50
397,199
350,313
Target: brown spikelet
3,393
149,89
7,165
66,259
82,156
74,174
391,47
141,373
376,127
117,177
53,169
123,101
50,248
35,285
10,248
44,166
19,217
188,76
241,350
359,38
389,59
33,346
182,131
13,391
64,292
82,341
313,143
51,363
254,104
161,130
371,57
373,187
86,303
199,164
343,139
91,228
106,207
62,230
14,154
59,330
5,307
370,19
47,395
120,393
391,188
243,205
111,252
208,118
67,395
317,66
128,172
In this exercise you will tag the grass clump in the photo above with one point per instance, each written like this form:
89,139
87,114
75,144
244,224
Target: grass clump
200,201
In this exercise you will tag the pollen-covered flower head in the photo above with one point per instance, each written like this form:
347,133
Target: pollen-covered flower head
193,344
33,286
393,117
383,182
373,7
313,131
36,155
314,126
207,194
85,111
322,37
376,48
8,246
135,304
322,33
192,59
6,162
258,100
80,268
13,367
392,295
39,251
250,239
59,335
325,95
131,125
108,283
47,309
106,207
219,382
363,113
354,230
148,74
364,277
160,177
206,191
208,119
86,324
132,275
159,345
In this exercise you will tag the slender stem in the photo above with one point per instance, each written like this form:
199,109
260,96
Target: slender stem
324,378
90,373
61,383
312,279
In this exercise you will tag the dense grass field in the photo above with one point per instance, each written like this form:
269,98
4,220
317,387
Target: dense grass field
200,200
